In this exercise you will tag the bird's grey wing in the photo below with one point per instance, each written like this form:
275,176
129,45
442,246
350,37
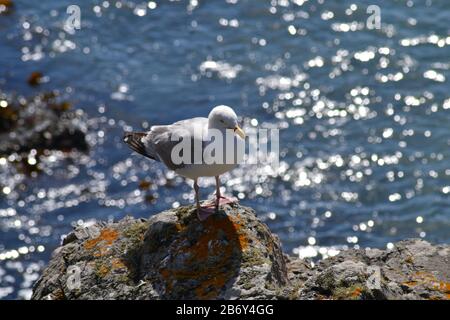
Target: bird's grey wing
161,140
134,141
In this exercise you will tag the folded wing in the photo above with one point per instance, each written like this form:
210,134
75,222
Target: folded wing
159,142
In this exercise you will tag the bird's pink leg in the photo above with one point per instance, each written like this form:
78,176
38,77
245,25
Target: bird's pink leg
220,200
202,212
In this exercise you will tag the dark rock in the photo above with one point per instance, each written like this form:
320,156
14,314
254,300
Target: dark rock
40,123
6,6
35,78
231,255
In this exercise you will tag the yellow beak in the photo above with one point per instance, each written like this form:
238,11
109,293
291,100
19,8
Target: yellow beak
239,132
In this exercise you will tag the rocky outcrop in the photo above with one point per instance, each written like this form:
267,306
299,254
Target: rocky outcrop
169,256
414,269
231,255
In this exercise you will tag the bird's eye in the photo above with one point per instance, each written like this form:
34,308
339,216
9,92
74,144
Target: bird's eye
222,121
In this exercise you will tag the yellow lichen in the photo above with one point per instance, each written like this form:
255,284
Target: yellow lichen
179,227
117,263
410,283
102,271
409,259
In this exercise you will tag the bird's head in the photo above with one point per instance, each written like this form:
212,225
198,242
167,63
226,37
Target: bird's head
223,117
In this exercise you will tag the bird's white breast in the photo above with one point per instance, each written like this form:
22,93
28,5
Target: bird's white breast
194,171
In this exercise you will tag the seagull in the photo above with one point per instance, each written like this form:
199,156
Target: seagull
158,144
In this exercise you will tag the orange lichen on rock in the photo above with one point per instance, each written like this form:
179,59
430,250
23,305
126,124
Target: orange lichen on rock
357,292
208,243
242,237
430,281
100,252
212,252
107,237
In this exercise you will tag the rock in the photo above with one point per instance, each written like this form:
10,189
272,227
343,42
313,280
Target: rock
35,78
231,255
169,256
42,122
414,269
6,6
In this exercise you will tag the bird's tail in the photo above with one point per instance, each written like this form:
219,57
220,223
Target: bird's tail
134,141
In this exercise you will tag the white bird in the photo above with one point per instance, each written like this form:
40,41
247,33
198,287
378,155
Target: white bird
158,144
